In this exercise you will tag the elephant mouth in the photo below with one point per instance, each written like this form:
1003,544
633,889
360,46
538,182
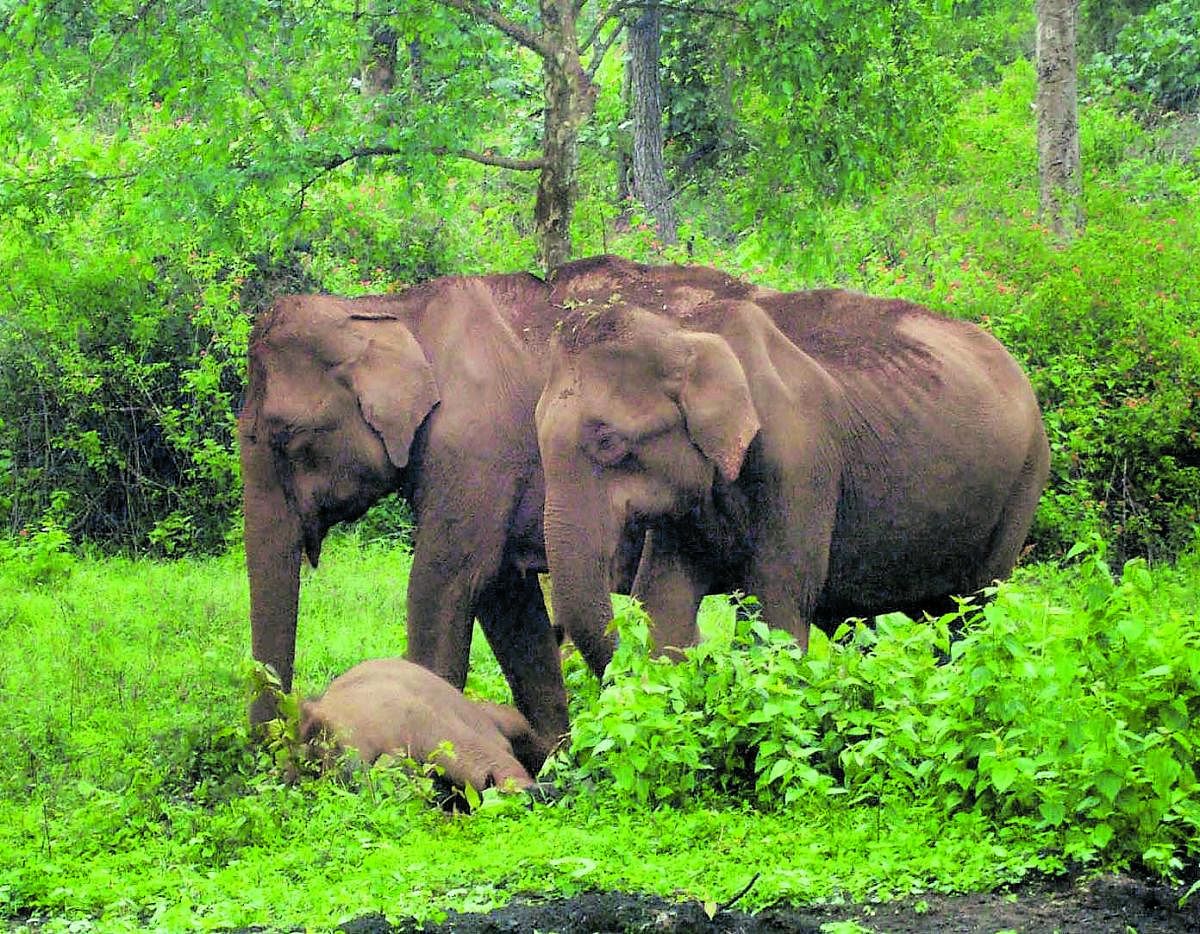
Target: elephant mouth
628,554
312,535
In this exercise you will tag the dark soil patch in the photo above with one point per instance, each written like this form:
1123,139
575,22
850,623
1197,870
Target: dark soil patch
1111,903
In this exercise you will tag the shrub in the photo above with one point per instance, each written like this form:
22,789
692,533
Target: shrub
1157,54
1077,720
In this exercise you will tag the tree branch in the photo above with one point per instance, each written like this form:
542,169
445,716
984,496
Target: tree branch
490,158
668,7
514,31
603,18
362,152
602,50
366,152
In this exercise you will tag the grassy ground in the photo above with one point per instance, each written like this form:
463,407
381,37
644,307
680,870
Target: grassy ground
129,797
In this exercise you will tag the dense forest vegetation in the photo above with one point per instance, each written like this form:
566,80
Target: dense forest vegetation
171,166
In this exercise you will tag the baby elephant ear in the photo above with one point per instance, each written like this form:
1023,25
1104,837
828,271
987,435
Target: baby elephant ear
394,384
716,403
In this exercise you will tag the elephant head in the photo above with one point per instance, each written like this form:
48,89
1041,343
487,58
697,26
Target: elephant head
640,421
337,391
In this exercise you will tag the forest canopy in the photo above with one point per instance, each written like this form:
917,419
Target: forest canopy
169,167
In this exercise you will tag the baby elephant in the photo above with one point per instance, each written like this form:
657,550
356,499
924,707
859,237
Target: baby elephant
390,705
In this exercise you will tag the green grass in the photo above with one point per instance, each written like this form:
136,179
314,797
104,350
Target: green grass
131,799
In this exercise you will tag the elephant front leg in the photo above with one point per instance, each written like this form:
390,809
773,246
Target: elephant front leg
670,588
789,570
443,587
514,619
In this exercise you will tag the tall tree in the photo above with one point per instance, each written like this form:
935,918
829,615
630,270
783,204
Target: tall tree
643,29
570,97
1060,189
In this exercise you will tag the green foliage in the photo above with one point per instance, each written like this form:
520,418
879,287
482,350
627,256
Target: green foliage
134,800
1157,54
835,92
1076,719
167,172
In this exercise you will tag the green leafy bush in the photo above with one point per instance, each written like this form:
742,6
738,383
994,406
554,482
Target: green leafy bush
1157,54
1077,720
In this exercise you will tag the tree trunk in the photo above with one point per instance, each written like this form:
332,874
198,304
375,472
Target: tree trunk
624,147
570,97
649,176
1060,191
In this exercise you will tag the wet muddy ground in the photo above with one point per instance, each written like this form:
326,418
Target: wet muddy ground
1111,903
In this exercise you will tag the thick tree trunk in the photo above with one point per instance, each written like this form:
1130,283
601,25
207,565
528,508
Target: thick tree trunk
1060,181
649,176
570,97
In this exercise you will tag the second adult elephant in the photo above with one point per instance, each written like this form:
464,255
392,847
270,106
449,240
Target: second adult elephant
831,453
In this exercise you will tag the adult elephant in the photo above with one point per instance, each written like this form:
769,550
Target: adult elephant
429,392
832,453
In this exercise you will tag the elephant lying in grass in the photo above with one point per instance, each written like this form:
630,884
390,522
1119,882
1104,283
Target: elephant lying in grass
394,707
831,453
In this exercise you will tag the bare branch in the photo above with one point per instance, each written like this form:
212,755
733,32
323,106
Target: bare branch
490,158
363,152
602,50
613,11
514,31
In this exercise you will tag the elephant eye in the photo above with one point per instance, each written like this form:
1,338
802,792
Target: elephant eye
605,445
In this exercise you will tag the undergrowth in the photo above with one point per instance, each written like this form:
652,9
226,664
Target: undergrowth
1078,719
1059,731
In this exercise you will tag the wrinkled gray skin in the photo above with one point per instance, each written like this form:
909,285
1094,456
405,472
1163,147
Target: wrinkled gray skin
831,453
429,393
393,706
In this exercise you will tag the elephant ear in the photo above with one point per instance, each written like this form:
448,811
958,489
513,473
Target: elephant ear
716,402
394,384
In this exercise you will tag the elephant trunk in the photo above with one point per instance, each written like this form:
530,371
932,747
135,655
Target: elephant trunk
273,546
579,548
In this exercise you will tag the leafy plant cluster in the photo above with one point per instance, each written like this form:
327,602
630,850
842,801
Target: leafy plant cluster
132,799
1077,721
1156,55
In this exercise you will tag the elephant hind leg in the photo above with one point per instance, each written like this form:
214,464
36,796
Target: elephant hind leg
513,615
